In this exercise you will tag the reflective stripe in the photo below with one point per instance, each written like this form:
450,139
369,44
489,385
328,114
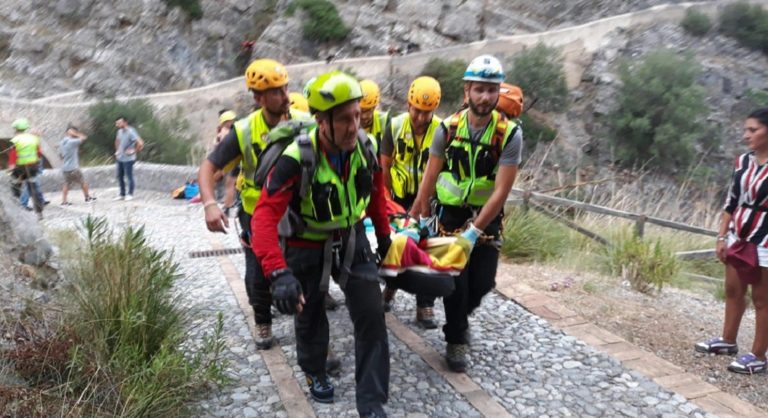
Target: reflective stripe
453,189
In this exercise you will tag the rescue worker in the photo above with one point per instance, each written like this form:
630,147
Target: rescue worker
404,154
327,238
472,166
371,119
267,80
24,163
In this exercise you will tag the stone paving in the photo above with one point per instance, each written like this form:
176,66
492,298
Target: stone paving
517,358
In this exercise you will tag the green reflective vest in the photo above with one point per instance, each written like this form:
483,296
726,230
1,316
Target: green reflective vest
378,124
26,148
408,163
469,174
252,133
333,202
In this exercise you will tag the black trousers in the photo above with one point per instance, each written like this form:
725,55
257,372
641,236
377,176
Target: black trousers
477,279
256,285
422,301
363,300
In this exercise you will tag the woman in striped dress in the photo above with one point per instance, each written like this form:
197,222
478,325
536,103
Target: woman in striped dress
745,217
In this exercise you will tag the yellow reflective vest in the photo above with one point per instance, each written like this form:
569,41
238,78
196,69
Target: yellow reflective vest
408,162
27,146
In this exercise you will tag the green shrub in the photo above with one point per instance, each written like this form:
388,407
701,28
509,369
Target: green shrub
533,236
191,7
696,23
535,132
539,72
756,98
746,23
647,265
449,73
660,110
129,327
166,141
323,23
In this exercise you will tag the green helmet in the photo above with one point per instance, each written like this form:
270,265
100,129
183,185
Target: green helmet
329,90
20,124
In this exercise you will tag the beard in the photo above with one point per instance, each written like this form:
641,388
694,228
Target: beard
481,110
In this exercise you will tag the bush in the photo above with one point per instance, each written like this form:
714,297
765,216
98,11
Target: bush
647,266
449,73
539,72
535,132
746,23
323,23
191,7
533,236
658,118
166,140
696,23
128,328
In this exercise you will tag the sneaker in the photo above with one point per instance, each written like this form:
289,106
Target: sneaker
426,317
748,364
90,198
330,302
388,297
116,198
128,197
264,338
332,363
320,387
46,202
66,203
717,346
456,357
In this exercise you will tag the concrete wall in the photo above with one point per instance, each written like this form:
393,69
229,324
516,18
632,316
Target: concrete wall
200,105
156,177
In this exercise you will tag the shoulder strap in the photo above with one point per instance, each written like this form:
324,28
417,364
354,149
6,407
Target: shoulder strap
369,149
453,126
499,135
307,160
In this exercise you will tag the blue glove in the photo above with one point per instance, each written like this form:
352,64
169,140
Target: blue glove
286,291
411,233
472,233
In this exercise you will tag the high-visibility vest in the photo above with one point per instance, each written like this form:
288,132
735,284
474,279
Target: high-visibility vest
27,146
469,174
408,163
252,133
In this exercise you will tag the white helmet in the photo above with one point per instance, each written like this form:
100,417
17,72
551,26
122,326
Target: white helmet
485,68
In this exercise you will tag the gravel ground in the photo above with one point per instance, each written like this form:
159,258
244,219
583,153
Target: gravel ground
668,324
527,366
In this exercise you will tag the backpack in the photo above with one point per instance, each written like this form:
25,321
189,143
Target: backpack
287,132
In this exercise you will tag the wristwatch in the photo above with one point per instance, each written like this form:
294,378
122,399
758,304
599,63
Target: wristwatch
722,238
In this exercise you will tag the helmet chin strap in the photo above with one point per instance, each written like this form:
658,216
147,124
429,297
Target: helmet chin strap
332,139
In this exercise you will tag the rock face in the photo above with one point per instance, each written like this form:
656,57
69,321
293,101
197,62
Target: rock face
131,47
22,234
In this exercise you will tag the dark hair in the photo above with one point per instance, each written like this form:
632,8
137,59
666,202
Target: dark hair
70,126
121,117
761,115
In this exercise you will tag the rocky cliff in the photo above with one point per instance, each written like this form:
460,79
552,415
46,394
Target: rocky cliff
137,47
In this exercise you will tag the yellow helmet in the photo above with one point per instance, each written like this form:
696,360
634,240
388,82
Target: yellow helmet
227,116
371,95
265,74
424,93
298,101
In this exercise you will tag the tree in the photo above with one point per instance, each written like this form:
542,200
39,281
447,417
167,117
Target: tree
539,72
658,120
746,23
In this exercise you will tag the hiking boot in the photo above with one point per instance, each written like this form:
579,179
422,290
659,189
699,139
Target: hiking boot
264,338
717,346
426,317
90,198
748,364
320,387
332,363
330,302
456,357
388,297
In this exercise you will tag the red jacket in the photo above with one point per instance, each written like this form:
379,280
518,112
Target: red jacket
277,194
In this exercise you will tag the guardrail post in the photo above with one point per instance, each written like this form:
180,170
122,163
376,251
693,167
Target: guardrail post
640,226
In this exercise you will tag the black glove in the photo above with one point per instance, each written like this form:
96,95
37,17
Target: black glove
286,291
384,242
